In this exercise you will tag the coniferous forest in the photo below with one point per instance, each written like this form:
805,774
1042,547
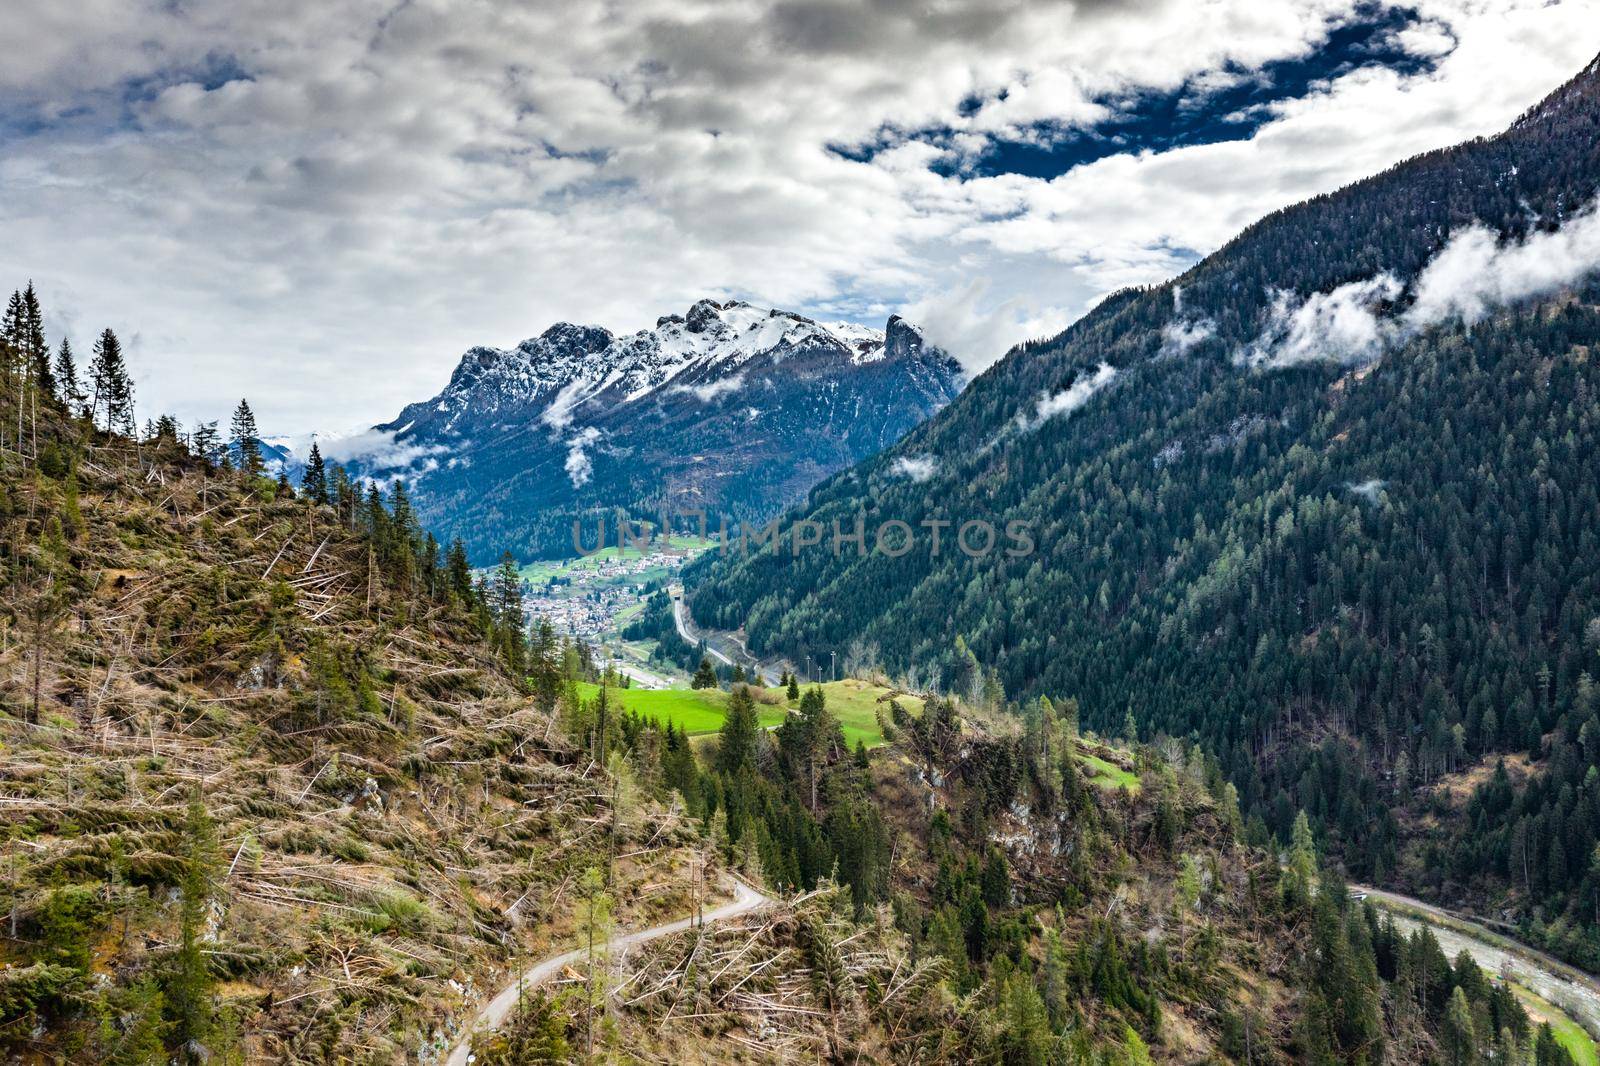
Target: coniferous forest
1347,582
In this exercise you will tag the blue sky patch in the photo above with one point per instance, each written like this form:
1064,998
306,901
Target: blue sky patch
1196,113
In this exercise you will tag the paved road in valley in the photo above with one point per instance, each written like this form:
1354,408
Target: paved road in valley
726,648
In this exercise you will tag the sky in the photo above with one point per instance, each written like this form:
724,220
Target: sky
320,204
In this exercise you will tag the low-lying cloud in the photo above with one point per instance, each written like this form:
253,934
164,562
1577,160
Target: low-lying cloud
1182,334
376,450
1475,272
918,468
712,389
579,467
1472,275
1068,400
1341,326
1368,490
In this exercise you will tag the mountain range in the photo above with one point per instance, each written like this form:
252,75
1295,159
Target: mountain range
729,408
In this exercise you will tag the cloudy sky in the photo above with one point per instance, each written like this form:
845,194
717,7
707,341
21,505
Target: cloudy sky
320,203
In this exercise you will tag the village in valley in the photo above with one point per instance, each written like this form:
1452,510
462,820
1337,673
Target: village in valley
596,595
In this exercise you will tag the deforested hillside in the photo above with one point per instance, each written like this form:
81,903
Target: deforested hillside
270,787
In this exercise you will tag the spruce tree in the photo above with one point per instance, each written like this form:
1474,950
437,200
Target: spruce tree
741,732
458,572
110,384
247,440
34,349
68,389
507,594
315,479
189,988
704,676
204,441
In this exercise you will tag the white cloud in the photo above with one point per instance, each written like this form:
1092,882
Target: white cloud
398,182
579,467
1341,326
918,468
1068,400
1368,490
1182,334
712,389
1475,272
375,449
975,329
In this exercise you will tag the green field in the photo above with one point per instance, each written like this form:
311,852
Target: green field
1569,1034
699,711
1107,774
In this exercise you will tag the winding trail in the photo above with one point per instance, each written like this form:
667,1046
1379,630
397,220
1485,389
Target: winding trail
498,1009
1567,987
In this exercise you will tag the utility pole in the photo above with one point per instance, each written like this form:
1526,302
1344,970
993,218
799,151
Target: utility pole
833,669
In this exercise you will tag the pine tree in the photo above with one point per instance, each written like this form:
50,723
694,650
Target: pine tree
507,595
741,732
34,348
68,388
704,675
108,378
794,687
247,440
204,441
314,481
189,989
458,572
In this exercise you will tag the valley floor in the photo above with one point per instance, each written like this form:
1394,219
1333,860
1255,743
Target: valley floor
1567,997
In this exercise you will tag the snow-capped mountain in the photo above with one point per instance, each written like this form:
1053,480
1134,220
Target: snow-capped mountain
571,370
730,407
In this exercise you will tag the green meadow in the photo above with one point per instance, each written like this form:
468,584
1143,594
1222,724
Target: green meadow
1106,774
701,711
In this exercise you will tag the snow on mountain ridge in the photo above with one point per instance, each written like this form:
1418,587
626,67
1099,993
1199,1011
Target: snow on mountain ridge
568,365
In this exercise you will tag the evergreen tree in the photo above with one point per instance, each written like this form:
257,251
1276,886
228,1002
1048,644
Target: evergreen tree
68,389
794,687
741,732
314,482
507,594
247,440
704,675
205,442
110,385
458,572
35,350
188,990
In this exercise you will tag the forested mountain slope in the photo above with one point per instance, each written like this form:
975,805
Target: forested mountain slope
1285,503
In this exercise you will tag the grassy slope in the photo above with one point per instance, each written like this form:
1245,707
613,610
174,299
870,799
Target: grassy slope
1105,773
1579,1044
854,703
